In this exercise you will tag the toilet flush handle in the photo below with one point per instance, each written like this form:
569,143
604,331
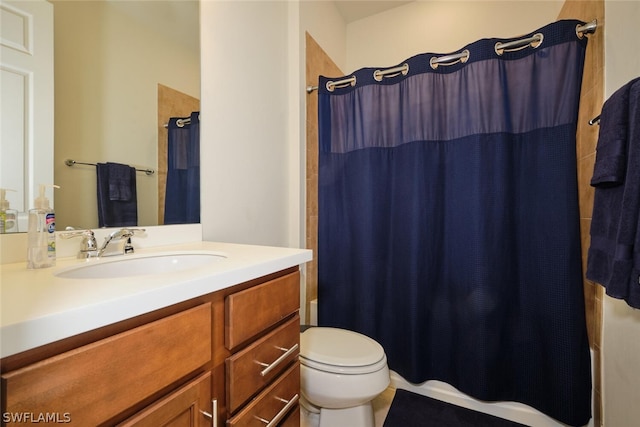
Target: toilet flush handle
270,366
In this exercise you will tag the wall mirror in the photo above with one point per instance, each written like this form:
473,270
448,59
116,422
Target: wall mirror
118,67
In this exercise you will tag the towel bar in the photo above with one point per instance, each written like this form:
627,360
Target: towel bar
71,162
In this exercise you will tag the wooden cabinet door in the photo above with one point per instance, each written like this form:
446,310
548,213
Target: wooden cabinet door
96,382
182,408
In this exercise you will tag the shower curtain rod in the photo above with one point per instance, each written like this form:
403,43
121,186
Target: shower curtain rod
180,122
71,162
581,30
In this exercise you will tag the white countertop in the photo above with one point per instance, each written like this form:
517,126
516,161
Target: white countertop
38,308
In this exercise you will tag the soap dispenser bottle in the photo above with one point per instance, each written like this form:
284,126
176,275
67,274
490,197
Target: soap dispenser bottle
41,250
8,216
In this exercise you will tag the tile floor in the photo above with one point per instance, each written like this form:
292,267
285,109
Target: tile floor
381,405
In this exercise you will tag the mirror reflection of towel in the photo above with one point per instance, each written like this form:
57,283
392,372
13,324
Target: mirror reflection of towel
120,181
117,197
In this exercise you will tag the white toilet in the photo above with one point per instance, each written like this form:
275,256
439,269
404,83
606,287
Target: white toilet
341,371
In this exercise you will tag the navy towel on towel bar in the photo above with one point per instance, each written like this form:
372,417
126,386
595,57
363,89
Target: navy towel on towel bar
120,177
614,255
117,197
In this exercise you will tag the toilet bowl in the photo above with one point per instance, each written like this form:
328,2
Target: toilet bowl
341,371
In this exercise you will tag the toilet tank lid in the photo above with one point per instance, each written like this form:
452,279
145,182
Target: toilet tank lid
339,347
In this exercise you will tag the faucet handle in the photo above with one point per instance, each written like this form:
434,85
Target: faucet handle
125,233
134,231
122,234
88,246
128,233
87,234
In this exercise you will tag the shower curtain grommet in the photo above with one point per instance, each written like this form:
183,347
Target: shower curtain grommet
378,75
447,60
535,41
583,29
331,85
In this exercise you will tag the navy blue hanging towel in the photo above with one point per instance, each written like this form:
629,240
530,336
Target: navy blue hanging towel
614,255
117,196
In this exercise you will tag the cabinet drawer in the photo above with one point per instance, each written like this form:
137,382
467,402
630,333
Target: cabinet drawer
275,402
98,381
249,312
246,370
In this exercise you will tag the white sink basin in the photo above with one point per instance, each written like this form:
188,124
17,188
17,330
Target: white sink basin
134,265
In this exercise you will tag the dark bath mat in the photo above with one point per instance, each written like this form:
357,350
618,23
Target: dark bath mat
414,410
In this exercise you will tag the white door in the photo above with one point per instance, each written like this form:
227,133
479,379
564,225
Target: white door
26,106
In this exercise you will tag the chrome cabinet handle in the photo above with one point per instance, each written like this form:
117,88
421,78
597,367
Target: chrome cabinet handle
213,416
289,404
269,367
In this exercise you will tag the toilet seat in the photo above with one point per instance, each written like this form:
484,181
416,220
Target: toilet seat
340,351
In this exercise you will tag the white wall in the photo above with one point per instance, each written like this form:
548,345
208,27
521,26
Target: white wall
253,103
324,23
245,123
621,324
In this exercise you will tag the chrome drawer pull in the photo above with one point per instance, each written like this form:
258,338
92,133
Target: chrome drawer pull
280,415
213,416
287,352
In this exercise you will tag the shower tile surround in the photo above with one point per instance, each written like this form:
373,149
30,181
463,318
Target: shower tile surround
591,101
318,62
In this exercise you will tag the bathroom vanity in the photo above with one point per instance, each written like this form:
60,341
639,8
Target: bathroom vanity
211,345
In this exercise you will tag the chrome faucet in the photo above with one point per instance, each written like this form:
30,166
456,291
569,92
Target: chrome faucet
89,246
122,234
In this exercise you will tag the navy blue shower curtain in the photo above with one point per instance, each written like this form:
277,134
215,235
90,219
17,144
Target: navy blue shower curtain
182,199
449,225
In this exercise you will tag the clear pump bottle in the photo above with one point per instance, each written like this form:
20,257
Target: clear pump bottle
41,250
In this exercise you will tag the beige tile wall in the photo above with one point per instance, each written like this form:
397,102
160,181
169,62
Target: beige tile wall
591,100
318,63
